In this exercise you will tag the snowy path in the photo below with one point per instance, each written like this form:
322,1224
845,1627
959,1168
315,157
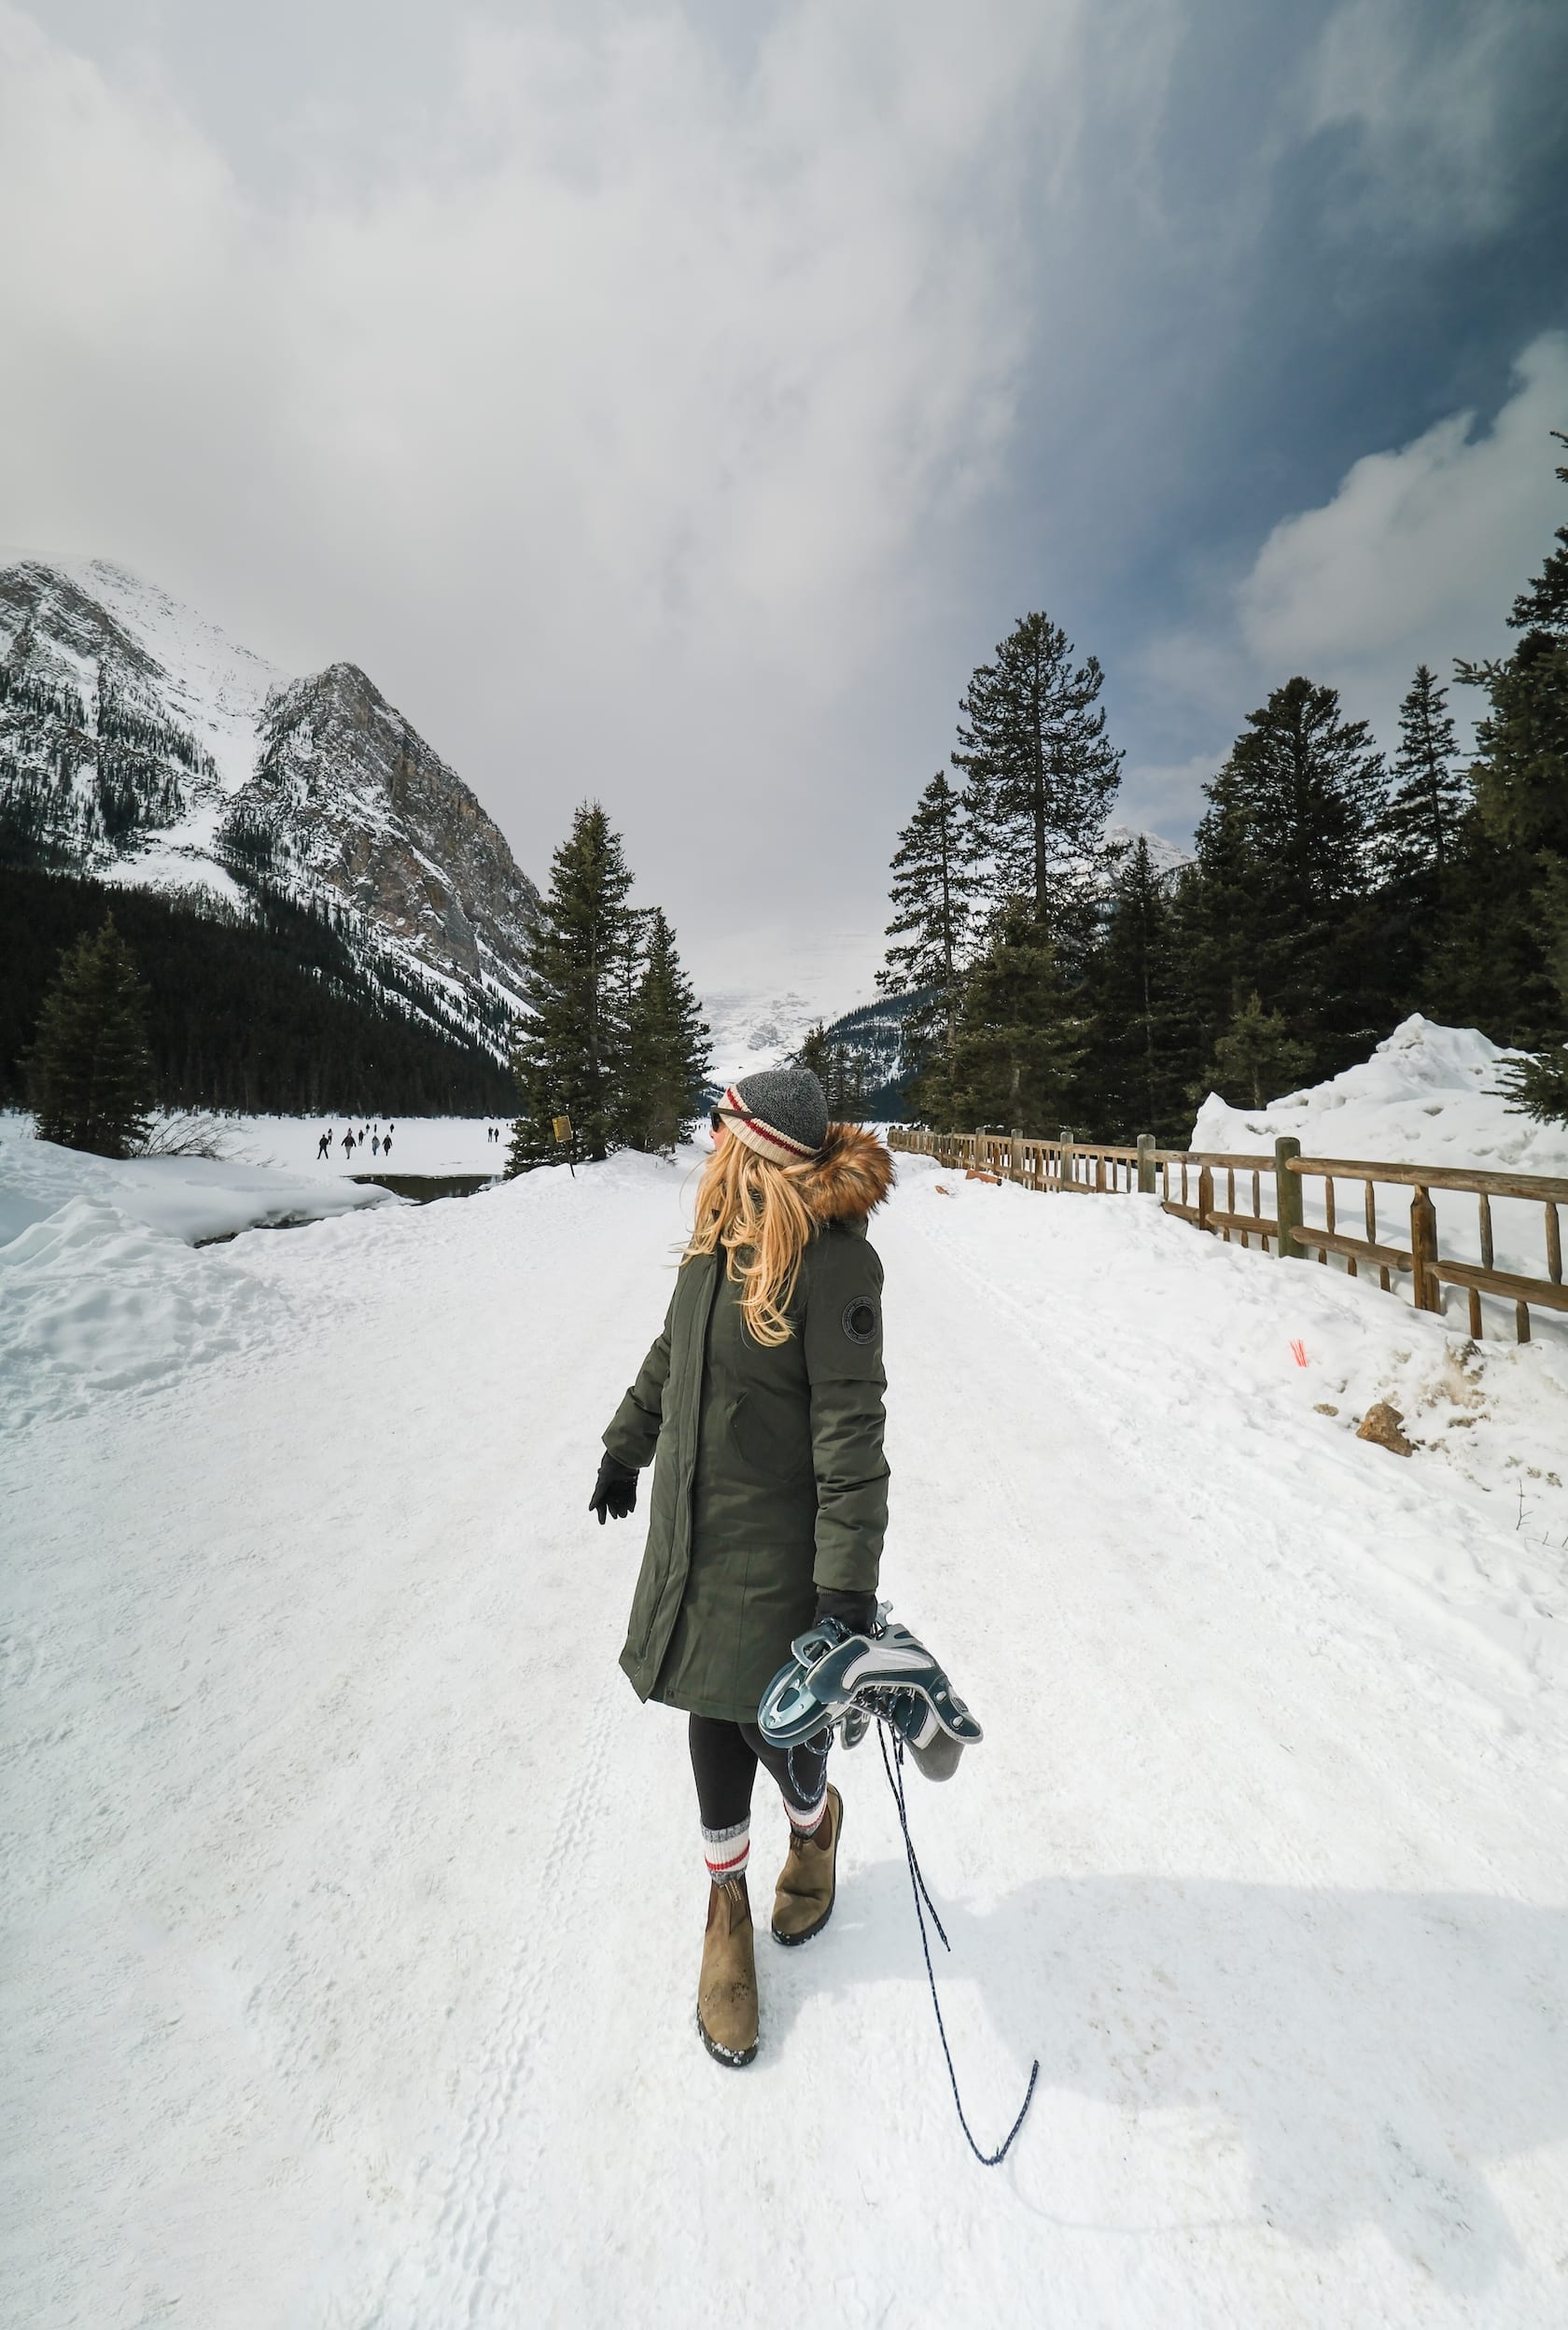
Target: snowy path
356,1908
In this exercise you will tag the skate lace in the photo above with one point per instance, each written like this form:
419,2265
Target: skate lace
894,1770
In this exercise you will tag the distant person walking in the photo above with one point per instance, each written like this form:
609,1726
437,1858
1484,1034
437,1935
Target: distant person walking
375,1144
348,1143
387,1144
324,1144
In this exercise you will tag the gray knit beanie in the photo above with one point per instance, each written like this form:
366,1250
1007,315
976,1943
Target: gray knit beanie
779,1112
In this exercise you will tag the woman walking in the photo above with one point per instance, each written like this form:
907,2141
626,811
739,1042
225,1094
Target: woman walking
760,1406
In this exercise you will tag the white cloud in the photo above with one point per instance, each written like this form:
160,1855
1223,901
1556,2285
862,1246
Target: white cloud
616,434
1419,552
1434,99
1160,796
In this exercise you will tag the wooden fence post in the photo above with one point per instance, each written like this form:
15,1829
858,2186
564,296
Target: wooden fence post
1146,1164
1205,1196
1015,1162
1288,1195
1423,1252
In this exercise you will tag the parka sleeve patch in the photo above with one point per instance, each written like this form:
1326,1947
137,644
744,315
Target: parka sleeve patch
859,1321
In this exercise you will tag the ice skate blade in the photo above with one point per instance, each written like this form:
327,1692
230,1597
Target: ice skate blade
727,2056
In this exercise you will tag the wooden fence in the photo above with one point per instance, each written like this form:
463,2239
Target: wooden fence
1303,1194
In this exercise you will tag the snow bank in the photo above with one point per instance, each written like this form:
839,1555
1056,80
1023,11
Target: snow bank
193,1198
1427,1096
99,1288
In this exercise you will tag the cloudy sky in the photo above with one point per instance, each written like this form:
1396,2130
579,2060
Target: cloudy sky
672,403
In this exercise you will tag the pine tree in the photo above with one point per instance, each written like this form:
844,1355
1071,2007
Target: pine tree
1019,1041
90,1072
1421,816
1281,899
1520,827
1257,1056
844,1070
571,1054
1537,1086
669,1058
1542,605
931,894
1041,777
1142,1052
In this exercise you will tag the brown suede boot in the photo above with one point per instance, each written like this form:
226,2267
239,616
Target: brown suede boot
809,1878
727,1990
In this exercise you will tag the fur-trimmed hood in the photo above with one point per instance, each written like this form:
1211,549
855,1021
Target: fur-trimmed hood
848,1178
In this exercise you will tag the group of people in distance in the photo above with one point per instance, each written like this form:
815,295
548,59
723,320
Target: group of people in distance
381,1142
492,1132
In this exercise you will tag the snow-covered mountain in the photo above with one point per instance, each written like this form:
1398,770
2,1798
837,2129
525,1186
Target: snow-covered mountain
759,1028
1165,856
138,743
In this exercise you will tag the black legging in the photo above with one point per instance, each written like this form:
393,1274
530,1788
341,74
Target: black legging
724,1761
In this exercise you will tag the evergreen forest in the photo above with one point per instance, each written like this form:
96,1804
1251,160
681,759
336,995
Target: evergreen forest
268,1011
614,1053
1049,976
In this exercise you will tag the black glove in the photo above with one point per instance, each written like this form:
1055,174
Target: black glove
615,1491
855,1611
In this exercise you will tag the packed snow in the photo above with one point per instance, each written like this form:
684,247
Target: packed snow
355,1905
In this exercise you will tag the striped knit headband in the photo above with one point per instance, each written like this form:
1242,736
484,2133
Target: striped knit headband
756,1134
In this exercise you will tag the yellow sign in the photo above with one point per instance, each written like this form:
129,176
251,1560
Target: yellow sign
563,1127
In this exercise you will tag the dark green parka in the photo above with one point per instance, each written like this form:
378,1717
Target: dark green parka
769,1479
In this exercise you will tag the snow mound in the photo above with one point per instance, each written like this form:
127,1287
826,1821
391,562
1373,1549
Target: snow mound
99,1288
1427,1096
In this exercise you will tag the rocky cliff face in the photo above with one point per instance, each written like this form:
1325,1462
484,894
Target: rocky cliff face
347,795
137,743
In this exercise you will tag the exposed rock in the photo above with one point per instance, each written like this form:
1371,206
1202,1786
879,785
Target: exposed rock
353,798
1381,1425
1324,1407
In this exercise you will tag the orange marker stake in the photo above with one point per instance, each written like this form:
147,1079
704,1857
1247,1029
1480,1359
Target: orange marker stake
1299,1352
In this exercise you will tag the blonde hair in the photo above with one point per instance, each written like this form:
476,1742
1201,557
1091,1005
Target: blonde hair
757,1211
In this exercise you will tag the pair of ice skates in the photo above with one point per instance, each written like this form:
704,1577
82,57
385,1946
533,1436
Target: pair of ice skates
845,1683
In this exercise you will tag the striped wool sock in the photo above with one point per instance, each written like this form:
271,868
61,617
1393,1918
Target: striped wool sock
807,1823
726,1851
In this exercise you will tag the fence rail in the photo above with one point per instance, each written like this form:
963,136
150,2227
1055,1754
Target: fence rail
1183,1180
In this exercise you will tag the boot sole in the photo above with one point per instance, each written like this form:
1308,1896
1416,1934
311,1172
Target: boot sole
809,1933
726,2055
